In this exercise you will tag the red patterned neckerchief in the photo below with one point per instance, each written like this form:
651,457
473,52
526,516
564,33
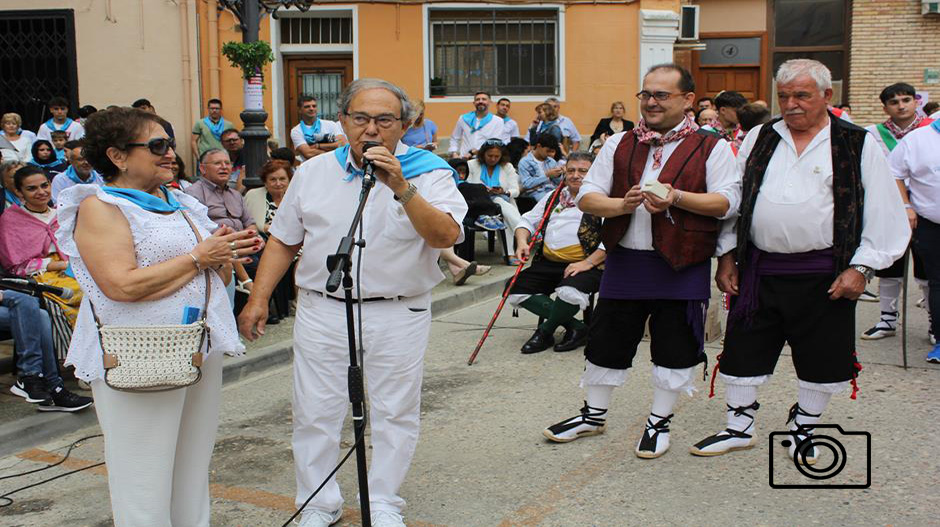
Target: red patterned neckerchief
658,141
896,130
734,136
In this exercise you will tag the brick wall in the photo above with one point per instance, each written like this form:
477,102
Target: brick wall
891,42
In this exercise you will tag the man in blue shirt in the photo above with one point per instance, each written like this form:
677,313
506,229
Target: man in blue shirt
539,173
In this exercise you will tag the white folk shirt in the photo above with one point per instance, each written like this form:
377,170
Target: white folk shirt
464,139
562,228
75,130
794,209
318,209
721,177
326,127
510,130
916,162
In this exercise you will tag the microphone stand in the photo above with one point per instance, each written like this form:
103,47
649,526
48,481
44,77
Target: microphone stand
340,265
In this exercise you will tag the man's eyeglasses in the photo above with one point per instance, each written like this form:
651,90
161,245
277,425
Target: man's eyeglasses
659,95
157,147
361,119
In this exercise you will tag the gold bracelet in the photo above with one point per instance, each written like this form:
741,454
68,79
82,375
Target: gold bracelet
195,261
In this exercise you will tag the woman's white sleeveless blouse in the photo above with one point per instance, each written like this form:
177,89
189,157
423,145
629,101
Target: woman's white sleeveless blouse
157,238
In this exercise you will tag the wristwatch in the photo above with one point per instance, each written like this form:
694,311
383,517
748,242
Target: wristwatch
866,271
407,195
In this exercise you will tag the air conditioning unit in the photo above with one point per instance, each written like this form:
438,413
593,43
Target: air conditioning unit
930,7
688,22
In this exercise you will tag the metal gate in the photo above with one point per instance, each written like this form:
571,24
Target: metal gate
37,62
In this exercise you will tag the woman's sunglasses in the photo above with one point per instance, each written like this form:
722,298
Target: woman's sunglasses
157,147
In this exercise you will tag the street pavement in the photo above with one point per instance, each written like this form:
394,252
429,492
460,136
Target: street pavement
482,461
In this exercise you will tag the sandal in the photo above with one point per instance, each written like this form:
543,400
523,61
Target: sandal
462,275
482,269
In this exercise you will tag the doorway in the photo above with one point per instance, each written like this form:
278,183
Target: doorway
731,62
323,77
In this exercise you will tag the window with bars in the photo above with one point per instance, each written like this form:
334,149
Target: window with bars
500,51
312,30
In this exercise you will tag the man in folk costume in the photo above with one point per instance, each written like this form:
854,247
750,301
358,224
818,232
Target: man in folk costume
900,105
566,262
659,243
473,128
819,212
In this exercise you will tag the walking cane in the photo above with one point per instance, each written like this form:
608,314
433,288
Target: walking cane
502,302
904,310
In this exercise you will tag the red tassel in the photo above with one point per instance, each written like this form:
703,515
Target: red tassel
711,392
858,368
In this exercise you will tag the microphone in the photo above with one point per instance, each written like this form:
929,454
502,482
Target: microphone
368,167
65,294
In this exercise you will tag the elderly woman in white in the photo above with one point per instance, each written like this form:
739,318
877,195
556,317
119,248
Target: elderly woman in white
492,169
139,262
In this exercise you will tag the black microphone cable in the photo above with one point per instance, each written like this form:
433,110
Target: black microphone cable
6,500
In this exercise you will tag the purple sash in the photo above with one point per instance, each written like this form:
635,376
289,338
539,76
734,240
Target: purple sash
761,263
644,275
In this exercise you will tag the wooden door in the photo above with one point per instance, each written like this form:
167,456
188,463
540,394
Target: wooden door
710,81
321,77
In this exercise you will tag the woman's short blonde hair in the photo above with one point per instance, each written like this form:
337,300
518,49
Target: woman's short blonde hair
418,106
11,117
615,104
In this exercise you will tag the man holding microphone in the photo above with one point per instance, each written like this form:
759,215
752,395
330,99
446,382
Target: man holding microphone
414,212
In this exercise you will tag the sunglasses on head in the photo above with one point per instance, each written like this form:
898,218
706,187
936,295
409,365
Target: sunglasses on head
158,146
493,142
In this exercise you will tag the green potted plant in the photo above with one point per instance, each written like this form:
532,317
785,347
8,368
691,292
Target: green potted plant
251,58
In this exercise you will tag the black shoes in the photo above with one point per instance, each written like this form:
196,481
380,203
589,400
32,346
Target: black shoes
539,341
66,401
573,339
32,388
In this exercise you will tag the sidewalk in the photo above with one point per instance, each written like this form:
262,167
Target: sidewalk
22,426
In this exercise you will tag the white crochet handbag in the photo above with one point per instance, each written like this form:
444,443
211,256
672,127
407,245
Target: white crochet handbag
154,358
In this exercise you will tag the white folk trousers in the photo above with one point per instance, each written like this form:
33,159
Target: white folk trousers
395,335
157,447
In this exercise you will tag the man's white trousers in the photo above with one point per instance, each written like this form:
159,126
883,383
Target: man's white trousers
395,335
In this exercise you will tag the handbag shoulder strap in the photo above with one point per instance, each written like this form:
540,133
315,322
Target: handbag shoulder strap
205,305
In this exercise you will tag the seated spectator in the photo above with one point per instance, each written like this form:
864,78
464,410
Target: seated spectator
539,173
751,116
233,143
546,124
22,140
85,112
492,169
180,178
10,198
478,204
565,262
571,139
43,156
226,206
59,138
423,132
28,245
59,108
706,116
38,379
79,171
614,124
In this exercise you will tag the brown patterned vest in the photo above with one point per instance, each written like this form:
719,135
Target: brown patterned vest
687,239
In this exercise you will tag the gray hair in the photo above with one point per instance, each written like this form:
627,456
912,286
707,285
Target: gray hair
792,69
360,85
209,152
581,156
553,99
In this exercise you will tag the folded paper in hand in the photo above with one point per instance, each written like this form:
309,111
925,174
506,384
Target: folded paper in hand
656,188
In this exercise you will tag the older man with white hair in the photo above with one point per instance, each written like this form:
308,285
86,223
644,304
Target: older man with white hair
819,213
413,212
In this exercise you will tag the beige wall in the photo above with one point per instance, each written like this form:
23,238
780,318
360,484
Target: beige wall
124,53
717,16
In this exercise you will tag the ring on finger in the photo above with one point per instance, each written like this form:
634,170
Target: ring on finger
232,246
234,255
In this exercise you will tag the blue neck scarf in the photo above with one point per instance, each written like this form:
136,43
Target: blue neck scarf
53,162
310,131
545,125
11,197
414,162
471,120
73,175
215,128
936,125
490,179
53,127
60,154
146,201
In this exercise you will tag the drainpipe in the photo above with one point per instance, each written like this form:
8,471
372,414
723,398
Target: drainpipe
214,70
186,38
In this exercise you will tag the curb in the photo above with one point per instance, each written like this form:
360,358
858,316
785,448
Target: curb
39,428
